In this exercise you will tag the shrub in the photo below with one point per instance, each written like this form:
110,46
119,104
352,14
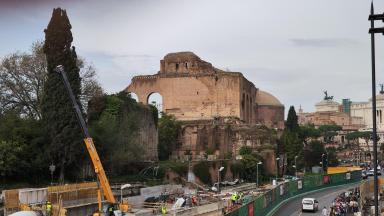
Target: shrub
201,170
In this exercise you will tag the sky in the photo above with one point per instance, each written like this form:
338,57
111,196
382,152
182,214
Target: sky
294,49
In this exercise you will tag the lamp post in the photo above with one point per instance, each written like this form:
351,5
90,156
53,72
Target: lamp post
277,166
52,169
295,166
122,187
322,162
372,17
218,179
257,173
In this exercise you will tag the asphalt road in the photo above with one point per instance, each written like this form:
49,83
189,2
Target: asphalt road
325,198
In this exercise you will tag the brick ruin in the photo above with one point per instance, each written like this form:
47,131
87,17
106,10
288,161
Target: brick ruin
206,99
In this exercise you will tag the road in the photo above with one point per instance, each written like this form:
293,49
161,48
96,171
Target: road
325,198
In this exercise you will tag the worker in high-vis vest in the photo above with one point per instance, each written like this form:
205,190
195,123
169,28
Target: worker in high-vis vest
241,195
163,210
49,208
234,198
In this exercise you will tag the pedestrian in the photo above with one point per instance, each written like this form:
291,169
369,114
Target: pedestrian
234,198
332,211
324,212
49,208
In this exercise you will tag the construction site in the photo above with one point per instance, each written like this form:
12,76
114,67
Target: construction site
190,199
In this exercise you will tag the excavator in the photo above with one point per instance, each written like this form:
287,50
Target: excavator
113,208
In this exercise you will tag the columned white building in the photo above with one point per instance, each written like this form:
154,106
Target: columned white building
364,110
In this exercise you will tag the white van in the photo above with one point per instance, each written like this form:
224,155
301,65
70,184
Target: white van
309,204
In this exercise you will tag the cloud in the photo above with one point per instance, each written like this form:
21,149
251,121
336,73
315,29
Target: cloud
323,42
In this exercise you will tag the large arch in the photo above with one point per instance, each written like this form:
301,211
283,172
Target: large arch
155,99
134,96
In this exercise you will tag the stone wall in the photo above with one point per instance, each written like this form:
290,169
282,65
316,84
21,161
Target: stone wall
192,97
193,89
223,137
271,116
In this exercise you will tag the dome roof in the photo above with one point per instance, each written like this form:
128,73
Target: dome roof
265,98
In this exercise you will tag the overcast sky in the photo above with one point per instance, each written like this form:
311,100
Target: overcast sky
293,49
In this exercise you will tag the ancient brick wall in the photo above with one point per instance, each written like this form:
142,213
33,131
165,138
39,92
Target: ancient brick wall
192,97
271,116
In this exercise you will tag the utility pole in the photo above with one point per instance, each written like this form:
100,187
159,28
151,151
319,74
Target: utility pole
372,17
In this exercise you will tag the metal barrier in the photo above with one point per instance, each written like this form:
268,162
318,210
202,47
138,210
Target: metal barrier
263,204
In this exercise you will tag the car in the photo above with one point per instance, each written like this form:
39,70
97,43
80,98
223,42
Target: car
364,174
372,171
309,204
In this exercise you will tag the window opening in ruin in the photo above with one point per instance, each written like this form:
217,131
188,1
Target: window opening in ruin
156,100
177,66
186,65
133,96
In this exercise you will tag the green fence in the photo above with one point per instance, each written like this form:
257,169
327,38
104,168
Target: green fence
262,205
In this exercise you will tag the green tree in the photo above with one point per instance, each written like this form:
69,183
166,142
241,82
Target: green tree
329,131
169,129
293,147
67,148
249,164
23,155
292,124
114,122
332,157
245,150
313,154
308,132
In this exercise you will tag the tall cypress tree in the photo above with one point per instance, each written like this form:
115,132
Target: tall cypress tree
292,122
67,150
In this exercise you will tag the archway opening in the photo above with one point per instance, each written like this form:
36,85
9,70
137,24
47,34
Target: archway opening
133,96
155,99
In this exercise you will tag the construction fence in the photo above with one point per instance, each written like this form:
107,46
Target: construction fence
61,197
262,205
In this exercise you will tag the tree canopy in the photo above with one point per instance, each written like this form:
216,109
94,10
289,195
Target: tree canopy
22,79
169,130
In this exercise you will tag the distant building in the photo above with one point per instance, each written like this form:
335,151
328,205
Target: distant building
363,110
330,112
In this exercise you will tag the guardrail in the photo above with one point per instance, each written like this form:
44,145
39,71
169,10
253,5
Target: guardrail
262,205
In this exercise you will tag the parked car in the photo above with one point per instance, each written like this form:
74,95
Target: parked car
309,204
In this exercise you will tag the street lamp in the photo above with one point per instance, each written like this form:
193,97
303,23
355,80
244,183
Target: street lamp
121,191
52,169
257,173
322,162
218,179
295,166
277,166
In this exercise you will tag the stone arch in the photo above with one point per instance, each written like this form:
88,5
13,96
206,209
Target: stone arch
156,99
134,96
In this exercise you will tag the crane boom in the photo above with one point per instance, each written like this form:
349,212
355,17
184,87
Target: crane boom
99,170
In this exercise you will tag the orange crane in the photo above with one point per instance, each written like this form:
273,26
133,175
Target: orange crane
101,176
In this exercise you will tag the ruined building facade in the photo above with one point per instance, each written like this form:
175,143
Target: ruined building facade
199,94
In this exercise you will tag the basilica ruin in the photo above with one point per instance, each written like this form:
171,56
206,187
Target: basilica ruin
212,104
